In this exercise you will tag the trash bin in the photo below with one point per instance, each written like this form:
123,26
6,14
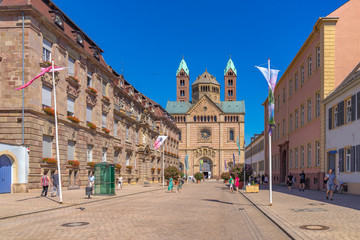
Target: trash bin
89,191
104,179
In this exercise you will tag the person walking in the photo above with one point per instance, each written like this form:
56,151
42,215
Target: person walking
290,181
91,180
262,179
55,183
45,182
171,185
302,181
120,182
330,183
266,180
231,182
236,183
180,185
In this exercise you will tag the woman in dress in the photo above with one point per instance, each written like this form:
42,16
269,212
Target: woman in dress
171,185
236,183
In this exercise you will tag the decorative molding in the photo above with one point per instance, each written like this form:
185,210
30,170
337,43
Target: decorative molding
91,98
73,88
47,79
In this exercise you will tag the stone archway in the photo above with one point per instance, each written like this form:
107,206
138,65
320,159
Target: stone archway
14,166
206,167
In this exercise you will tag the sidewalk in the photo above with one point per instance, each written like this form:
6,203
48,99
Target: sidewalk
26,203
290,210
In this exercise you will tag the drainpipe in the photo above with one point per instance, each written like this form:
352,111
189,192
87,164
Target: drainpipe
23,81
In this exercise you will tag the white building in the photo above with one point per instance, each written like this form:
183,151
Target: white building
342,150
255,154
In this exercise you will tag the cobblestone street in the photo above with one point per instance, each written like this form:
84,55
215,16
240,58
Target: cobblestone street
203,211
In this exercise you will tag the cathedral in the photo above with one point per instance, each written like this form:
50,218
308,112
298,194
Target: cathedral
209,128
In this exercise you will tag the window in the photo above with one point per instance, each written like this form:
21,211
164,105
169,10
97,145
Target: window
309,154
284,92
290,87
302,160
47,146
296,157
103,156
127,133
89,150
302,75
116,156
296,81
231,135
46,50
182,93
348,159
137,137
88,113
103,88
103,121
115,128
309,110
335,116
283,127
89,79
348,110
71,150
296,119
70,106
309,66
302,115
317,144
230,82
278,102
71,65
179,136
291,159
46,96
278,131
182,82
317,114
291,123
127,163
318,56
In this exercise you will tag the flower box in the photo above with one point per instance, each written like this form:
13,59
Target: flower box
49,160
93,90
74,163
91,164
74,78
91,125
73,119
105,130
45,64
106,98
117,166
159,170
49,111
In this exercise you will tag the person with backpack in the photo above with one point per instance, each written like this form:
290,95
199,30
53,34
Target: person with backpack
302,181
45,182
180,184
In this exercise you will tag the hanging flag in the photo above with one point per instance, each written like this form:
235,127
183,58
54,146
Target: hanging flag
159,141
271,86
186,161
201,164
238,145
234,159
225,165
43,71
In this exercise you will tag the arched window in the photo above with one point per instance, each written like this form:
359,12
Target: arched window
231,119
237,119
184,119
231,135
212,118
194,118
215,118
208,118
229,92
198,118
225,119
202,118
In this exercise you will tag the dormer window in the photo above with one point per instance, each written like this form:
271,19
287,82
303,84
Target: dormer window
79,39
58,18
97,55
59,21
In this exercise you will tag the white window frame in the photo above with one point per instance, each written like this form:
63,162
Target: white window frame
296,157
317,153
335,122
302,120
127,159
302,75
309,66
309,154
71,66
347,160
89,79
89,151
348,110
70,106
103,120
309,110
103,155
71,150
88,114
302,156
317,104
318,57
127,133
46,50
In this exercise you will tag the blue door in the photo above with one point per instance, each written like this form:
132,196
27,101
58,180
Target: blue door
5,174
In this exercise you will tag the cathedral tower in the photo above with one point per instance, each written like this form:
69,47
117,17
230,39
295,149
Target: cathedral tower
230,74
182,82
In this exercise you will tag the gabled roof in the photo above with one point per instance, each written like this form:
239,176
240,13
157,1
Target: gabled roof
174,107
233,106
217,106
184,67
206,78
230,65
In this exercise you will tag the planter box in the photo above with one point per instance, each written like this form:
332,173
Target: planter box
252,189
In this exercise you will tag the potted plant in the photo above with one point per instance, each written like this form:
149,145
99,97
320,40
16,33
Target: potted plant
225,176
91,125
73,119
105,130
199,176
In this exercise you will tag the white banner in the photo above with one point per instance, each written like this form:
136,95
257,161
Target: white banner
159,141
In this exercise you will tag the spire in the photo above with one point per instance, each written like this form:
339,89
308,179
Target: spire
183,66
230,64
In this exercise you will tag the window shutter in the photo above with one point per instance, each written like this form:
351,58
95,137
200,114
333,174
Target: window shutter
103,122
357,155
46,96
71,150
88,114
330,118
341,113
71,64
70,105
341,160
352,151
115,128
47,146
353,107
358,105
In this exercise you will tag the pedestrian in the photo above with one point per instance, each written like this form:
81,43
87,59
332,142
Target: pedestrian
55,183
171,185
45,182
302,181
180,184
293,182
289,181
120,182
262,179
236,183
330,183
231,182
266,180
91,180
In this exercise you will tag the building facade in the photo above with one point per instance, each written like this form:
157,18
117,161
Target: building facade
342,149
209,127
326,57
255,155
101,116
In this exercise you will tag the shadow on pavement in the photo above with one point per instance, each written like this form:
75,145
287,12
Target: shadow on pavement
20,200
215,200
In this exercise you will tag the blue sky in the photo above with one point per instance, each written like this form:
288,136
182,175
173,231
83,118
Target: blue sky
149,38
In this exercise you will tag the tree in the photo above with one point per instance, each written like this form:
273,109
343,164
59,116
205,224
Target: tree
171,172
238,171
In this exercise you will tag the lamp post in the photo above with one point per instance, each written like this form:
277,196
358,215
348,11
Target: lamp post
244,168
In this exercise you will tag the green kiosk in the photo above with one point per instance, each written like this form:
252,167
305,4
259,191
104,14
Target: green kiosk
104,179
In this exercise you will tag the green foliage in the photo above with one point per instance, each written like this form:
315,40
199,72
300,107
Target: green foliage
198,176
171,172
238,171
225,176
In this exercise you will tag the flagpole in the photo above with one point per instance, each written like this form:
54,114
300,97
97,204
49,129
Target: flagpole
270,170
56,132
163,168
